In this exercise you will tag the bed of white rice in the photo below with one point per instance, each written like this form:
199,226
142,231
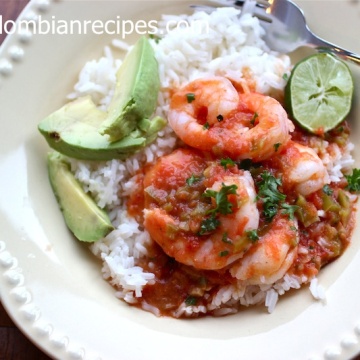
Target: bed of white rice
231,47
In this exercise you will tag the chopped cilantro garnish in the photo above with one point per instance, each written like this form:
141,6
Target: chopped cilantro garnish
285,76
202,281
190,300
226,162
220,118
268,188
206,125
272,198
190,97
252,235
208,225
225,238
223,206
192,180
269,194
253,119
155,37
353,181
270,210
224,253
246,164
276,146
327,190
289,210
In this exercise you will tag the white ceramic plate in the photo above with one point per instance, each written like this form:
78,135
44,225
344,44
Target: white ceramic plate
51,285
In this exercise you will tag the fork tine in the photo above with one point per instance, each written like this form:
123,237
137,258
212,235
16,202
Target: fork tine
259,8
218,3
242,4
212,5
263,3
206,8
255,7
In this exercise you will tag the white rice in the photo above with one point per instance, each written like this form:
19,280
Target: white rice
337,161
317,290
231,48
97,79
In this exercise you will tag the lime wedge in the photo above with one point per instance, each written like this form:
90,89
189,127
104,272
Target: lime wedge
319,92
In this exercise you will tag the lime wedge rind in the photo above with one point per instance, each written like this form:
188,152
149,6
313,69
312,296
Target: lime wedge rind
319,92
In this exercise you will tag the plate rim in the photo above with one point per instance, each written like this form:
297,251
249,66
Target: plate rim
11,268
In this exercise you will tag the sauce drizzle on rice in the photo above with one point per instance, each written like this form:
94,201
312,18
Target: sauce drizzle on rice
283,236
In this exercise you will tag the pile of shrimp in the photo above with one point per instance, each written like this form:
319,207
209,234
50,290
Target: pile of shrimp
206,206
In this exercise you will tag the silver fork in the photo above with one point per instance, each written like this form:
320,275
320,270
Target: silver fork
286,28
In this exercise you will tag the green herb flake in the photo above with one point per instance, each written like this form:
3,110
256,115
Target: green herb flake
252,235
285,77
224,253
268,188
289,210
246,164
227,162
353,181
276,146
208,225
155,38
190,300
206,125
252,121
270,210
192,180
220,118
202,281
327,190
223,206
190,97
269,194
225,238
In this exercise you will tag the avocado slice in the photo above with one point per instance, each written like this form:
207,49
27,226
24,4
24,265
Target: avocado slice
82,216
73,130
136,91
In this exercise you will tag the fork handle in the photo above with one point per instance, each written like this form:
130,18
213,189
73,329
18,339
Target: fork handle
322,45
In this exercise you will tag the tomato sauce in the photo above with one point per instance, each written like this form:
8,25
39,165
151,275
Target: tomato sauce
177,283
326,219
135,203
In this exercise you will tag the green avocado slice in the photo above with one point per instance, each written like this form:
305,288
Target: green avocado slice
136,91
83,217
73,130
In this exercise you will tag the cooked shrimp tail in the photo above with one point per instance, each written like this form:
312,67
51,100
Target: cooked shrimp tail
209,114
200,213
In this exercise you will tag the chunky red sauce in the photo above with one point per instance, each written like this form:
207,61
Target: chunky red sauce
176,283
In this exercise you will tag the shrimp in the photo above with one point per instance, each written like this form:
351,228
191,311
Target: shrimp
197,211
210,115
270,258
271,128
302,169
